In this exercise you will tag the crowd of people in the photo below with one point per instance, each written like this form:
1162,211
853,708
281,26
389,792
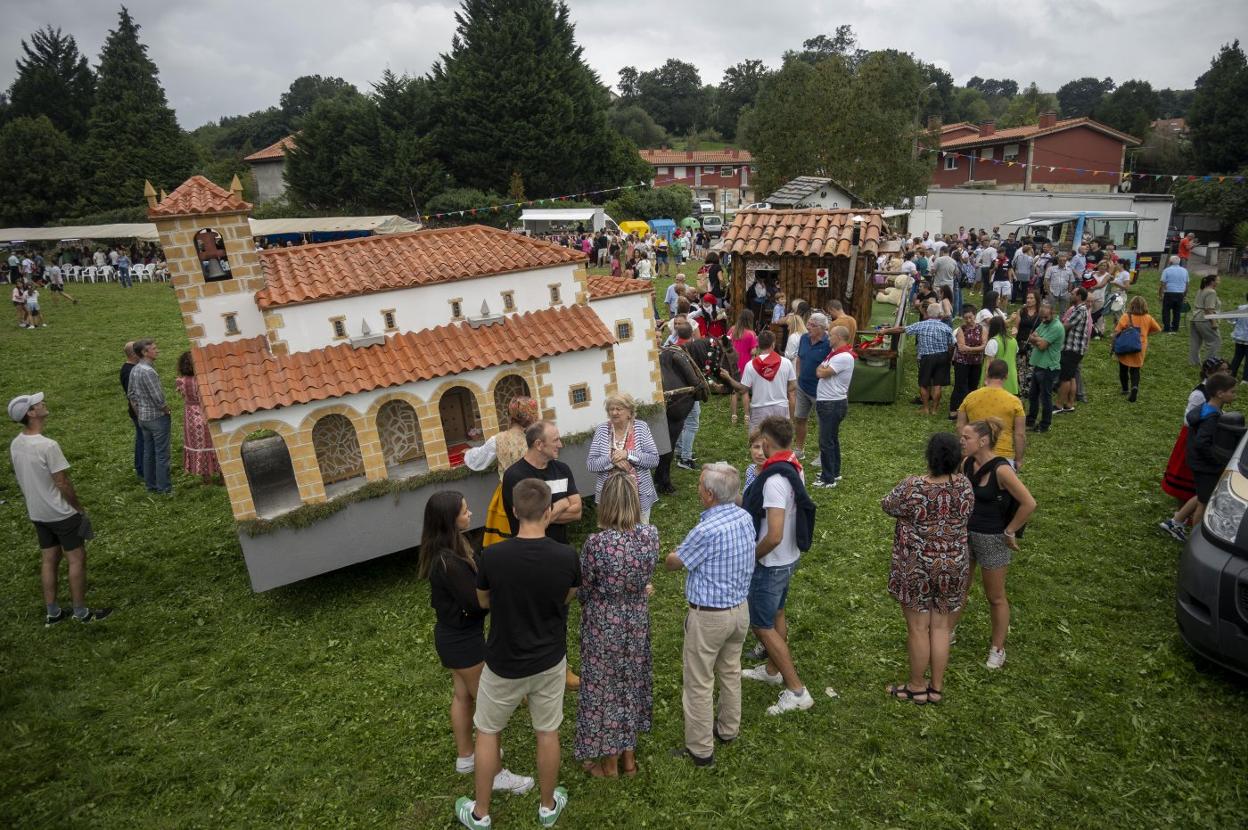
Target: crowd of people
635,255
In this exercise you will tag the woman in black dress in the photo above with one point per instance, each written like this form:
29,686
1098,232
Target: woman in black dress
448,562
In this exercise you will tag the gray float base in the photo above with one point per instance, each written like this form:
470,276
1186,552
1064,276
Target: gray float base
365,530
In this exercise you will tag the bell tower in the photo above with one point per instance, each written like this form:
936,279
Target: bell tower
211,258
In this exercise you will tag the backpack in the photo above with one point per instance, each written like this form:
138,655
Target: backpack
1129,340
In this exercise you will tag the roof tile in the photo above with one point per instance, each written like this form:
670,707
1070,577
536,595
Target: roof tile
696,156
603,287
243,376
348,267
275,151
1033,131
811,233
197,195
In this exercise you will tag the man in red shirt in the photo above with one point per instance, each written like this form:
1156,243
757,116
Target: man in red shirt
1185,247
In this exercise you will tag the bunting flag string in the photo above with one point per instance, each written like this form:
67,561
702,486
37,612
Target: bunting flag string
550,200
1118,175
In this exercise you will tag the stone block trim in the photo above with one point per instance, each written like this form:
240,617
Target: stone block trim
609,373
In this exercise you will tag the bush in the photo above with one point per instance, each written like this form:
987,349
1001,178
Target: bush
674,202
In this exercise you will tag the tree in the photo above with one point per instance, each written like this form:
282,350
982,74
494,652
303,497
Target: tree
515,93
1080,97
993,88
843,44
737,91
38,174
970,105
53,79
132,134
674,95
1130,108
939,100
646,203
1217,118
471,207
1224,199
305,91
635,124
1173,103
629,90
1027,107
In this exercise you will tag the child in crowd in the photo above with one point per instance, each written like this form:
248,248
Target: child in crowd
778,311
33,318
757,456
19,302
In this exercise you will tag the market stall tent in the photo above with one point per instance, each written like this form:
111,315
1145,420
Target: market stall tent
635,226
550,219
690,223
663,227
318,226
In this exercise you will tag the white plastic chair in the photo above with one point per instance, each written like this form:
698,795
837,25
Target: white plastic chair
88,273
72,273
107,273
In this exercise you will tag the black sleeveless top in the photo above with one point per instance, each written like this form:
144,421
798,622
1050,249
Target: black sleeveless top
988,515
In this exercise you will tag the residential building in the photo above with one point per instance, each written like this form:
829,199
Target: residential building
268,169
813,192
723,176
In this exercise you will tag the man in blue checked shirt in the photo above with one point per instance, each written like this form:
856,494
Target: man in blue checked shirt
719,556
935,340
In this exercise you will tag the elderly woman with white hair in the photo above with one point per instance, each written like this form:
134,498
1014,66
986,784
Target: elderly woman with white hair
624,444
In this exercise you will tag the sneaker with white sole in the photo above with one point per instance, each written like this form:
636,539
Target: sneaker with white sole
508,781
466,765
760,673
549,817
1174,529
759,652
790,701
996,658
463,811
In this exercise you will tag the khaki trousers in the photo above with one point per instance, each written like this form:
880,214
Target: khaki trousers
712,649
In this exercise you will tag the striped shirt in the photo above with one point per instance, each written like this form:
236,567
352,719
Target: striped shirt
644,456
932,336
145,392
719,555
1078,325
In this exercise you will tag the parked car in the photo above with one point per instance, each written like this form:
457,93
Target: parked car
1212,602
756,206
701,206
713,224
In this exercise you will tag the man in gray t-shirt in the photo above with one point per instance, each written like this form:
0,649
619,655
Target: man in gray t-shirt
53,507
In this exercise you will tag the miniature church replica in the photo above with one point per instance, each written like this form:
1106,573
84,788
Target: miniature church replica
388,356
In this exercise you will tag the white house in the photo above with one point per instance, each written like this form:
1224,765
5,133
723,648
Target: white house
813,192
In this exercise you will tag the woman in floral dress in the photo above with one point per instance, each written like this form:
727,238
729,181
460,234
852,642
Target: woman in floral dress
198,456
931,567
615,698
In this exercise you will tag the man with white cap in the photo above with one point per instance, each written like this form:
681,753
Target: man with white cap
52,504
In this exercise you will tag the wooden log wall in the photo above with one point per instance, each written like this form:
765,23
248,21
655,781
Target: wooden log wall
797,280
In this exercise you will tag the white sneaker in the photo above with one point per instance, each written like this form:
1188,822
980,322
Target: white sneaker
996,658
512,783
466,765
791,702
760,672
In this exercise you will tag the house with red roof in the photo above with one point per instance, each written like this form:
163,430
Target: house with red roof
1067,155
322,368
268,169
723,176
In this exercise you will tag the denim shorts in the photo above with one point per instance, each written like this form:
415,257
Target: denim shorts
769,588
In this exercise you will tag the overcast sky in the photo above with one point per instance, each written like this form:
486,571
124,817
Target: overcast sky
223,57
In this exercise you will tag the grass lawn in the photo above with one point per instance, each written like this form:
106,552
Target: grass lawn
201,704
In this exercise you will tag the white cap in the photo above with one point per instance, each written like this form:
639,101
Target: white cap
19,406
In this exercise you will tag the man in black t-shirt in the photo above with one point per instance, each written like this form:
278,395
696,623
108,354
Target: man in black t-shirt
526,582
541,462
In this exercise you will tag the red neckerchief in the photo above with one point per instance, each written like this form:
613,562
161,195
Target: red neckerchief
783,457
846,349
767,365
680,342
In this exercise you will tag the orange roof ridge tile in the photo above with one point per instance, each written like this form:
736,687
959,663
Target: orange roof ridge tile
275,151
809,232
197,196
602,287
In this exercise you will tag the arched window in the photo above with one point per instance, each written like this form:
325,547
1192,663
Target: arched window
338,454
399,429
511,386
461,422
270,475
210,250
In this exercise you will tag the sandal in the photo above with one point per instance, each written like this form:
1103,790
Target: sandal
597,770
905,693
940,695
628,771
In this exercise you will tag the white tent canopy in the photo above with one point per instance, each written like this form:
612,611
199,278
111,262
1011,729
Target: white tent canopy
566,216
146,231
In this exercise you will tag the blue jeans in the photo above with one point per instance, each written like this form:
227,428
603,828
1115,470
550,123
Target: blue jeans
769,588
138,448
123,276
156,454
684,445
830,413
1041,410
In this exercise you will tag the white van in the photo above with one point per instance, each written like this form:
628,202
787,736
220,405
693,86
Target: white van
713,224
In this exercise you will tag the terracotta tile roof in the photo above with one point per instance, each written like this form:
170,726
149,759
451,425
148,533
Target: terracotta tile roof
603,287
801,232
197,195
307,273
244,376
276,150
958,126
696,156
1034,131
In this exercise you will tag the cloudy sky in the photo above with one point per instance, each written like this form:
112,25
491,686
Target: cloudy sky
224,57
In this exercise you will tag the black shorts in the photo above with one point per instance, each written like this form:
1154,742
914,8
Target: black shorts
55,287
1205,484
1070,366
934,370
67,534
460,648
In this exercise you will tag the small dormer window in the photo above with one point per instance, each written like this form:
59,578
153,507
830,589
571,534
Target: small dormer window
509,301
231,323
457,308
387,317
339,325
555,297
623,331
210,251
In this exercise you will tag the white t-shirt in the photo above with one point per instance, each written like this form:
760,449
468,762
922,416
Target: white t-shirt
643,269
777,492
986,257
792,344
985,315
35,459
836,387
772,392
909,268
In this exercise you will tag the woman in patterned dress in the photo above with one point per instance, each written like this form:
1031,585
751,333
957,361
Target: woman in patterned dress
931,567
198,456
615,698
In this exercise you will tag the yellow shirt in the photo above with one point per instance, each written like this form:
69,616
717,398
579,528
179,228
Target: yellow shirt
994,402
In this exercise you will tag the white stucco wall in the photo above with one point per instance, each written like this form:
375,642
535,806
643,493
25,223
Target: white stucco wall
632,359
307,326
211,309
270,179
568,370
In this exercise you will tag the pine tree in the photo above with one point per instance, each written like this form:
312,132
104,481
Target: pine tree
53,79
37,172
514,94
133,134
1217,116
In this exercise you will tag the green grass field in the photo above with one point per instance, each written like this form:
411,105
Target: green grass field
201,704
